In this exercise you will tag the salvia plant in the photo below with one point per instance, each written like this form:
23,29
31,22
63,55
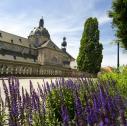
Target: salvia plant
72,102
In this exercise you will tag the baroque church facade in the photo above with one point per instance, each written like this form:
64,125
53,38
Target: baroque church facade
36,55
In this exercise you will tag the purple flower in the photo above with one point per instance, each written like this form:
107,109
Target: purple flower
92,116
78,106
31,87
102,96
123,118
96,104
52,85
101,123
48,87
6,94
29,108
64,115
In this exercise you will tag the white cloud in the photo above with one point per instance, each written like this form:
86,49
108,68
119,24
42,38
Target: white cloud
15,25
103,19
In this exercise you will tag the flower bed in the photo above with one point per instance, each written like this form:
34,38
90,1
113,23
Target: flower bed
65,102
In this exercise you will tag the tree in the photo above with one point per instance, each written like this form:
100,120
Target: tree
119,16
90,53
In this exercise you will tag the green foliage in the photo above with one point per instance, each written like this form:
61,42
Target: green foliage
119,16
54,102
119,78
38,119
90,52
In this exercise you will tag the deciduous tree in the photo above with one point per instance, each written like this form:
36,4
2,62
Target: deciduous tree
119,20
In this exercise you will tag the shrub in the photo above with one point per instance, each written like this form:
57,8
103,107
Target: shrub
120,79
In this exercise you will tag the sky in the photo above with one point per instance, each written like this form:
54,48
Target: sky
62,18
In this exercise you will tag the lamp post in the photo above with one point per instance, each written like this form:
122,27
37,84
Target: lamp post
118,56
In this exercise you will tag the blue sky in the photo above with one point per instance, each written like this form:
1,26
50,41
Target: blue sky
62,18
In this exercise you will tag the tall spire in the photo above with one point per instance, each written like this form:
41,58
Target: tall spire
41,22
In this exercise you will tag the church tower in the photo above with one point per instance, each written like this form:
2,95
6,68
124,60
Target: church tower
39,35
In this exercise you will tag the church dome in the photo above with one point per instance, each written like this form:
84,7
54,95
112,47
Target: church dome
40,30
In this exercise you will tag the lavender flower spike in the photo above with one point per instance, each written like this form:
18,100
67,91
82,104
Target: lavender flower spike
64,115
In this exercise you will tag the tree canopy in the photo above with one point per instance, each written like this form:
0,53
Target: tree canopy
90,53
119,20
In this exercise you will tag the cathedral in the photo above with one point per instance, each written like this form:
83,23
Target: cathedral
36,55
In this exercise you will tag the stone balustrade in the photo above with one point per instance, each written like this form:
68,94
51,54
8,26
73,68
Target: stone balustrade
25,69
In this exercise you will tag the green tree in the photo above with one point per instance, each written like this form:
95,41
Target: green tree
119,16
90,52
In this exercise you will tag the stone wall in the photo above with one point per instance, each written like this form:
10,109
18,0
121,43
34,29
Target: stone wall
8,68
48,56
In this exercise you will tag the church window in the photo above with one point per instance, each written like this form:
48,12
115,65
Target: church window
14,57
25,57
29,45
1,65
20,40
54,46
1,35
3,54
29,51
29,48
12,41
